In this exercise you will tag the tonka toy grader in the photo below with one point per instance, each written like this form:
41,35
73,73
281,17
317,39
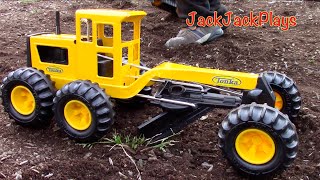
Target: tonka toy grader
75,77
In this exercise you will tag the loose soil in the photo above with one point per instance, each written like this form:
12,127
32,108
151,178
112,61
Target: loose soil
48,153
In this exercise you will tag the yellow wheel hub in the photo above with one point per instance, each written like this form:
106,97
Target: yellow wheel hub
23,100
255,146
77,115
279,101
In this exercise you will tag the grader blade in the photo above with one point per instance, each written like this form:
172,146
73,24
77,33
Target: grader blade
171,122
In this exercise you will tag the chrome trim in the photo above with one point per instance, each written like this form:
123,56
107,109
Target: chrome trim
166,100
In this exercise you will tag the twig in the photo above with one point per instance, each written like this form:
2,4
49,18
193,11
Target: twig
34,170
139,174
166,138
150,139
145,149
3,175
113,147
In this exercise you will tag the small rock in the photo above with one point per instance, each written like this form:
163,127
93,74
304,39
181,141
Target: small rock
130,173
208,56
229,170
18,175
151,153
204,117
272,2
140,163
48,175
207,165
110,161
87,155
152,158
167,155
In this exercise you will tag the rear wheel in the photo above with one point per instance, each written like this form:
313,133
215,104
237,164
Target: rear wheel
27,96
258,139
288,99
83,110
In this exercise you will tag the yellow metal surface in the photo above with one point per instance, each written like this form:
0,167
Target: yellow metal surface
279,101
126,81
78,115
255,146
112,15
23,100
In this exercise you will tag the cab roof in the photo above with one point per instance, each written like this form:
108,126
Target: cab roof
121,15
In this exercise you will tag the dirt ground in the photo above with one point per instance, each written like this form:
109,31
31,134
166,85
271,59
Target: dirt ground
48,153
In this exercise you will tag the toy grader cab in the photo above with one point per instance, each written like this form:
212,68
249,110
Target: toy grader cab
73,77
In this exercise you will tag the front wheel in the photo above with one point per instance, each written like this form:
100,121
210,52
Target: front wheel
288,99
83,110
258,139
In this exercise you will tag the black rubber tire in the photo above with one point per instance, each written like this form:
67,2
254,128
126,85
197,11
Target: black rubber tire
95,99
42,89
267,119
288,90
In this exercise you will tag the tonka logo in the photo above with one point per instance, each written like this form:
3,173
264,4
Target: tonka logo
225,80
55,69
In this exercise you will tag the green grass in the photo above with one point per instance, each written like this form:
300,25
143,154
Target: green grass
133,142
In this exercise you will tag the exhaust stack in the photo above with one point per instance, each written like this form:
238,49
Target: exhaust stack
58,30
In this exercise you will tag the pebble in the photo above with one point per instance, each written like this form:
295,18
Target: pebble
229,170
152,158
204,117
140,163
48,175
130,173
110,161
18,175
207,165
87,155
167,155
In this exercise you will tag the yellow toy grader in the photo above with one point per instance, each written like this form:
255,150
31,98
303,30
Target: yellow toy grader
73,78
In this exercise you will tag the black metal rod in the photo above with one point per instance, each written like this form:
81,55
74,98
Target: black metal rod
58,30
